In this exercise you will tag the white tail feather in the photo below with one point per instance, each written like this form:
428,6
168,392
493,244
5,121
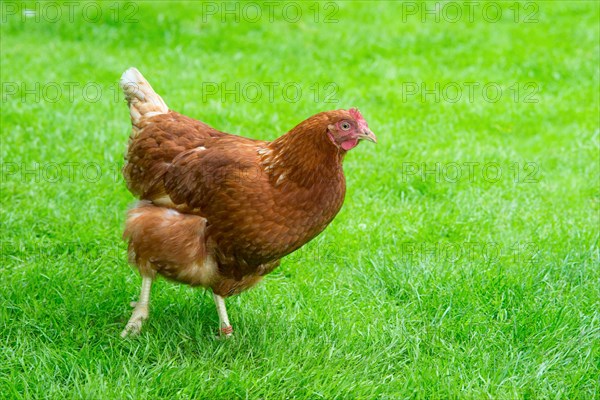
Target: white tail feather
143,101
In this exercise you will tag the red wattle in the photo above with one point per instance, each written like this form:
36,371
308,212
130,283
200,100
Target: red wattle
349,144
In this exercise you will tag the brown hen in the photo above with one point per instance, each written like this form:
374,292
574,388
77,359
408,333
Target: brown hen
218,210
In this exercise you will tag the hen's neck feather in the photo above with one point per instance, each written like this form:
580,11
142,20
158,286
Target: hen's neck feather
305,154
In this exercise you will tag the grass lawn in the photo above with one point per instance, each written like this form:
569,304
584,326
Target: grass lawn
464,264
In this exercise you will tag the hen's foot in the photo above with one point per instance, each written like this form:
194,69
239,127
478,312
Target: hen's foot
140,309
225,332
134,326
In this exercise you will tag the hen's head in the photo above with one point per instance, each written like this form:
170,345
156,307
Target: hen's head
346,128
329,134
316,146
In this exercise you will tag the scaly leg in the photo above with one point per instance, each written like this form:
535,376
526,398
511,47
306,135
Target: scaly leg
140,311
225,329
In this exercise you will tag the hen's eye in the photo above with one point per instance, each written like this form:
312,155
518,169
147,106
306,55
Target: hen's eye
345,126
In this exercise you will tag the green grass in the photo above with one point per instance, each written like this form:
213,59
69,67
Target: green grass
421,288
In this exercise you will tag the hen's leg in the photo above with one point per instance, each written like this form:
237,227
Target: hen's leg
225,329
140,311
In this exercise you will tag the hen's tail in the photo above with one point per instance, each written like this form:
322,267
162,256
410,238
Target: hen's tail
143,101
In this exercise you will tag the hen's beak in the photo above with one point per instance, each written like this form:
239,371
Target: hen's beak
368,135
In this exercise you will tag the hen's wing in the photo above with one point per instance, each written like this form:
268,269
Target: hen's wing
197,176
225,183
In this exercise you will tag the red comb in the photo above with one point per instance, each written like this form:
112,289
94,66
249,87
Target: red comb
354,113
